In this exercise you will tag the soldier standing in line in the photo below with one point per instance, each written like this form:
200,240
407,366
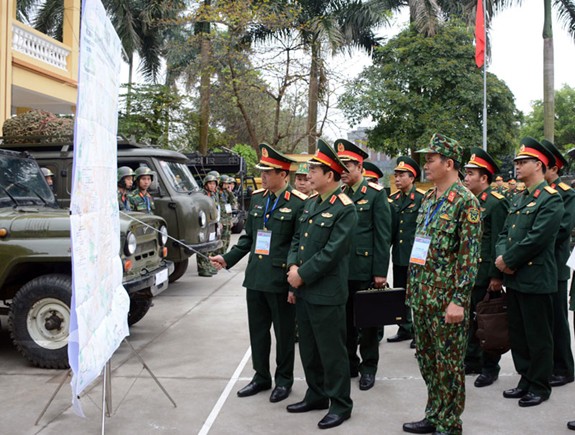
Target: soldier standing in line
526,256
369,256
442,270
563,366
226,200
479,174
405,205
272,220
511,190
500,187
140,198
210,183
318,265
125,183
301,182
372,172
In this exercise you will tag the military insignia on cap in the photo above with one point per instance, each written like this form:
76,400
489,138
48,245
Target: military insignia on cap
522,148
340,148
473,215
265,152
326,215
401,164
472,157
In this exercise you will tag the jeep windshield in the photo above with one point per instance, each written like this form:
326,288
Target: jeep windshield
22,182
179,176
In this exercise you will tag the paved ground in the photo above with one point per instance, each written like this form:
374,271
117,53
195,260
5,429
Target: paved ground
195,341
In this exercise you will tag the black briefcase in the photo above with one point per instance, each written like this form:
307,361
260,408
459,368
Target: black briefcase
378,307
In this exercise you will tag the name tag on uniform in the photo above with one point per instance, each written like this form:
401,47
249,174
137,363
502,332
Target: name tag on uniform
420,250
228,208
263,242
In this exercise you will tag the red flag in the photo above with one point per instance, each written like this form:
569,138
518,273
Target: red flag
479,35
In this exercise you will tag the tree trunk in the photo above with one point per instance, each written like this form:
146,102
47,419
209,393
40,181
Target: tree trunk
313,97
548,76
205,76
129,94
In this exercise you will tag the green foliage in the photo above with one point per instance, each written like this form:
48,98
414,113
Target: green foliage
250,157
421,85
564,119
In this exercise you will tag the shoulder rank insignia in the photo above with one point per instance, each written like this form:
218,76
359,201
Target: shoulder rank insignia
445,217
299,195
258,191
375,186
497,195
483,196
326,215
548,189
473,215
344,199
363,201
287,195
420,191
564,186
285,210
451,196
531,204
363,189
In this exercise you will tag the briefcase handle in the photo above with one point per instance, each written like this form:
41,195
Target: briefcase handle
489,295
372,287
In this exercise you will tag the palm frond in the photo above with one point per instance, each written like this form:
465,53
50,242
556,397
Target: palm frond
566,14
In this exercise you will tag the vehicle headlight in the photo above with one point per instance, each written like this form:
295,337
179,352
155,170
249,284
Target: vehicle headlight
203,219
131,244
163,235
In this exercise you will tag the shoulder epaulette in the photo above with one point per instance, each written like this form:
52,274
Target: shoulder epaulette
313,195
550,190
344,199
258,191
423,192
375,186
564,186
300,195
497,195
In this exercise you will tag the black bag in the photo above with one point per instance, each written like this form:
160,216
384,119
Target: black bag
378,307
492,324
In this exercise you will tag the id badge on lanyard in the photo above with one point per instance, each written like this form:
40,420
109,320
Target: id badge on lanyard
263,242
420,250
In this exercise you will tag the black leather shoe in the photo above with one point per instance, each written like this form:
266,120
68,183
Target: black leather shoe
484,379
571,425
303,406
399,337
514,393
558,380
331,420
279,394
251,389
531,399
366,381
422,426
412,344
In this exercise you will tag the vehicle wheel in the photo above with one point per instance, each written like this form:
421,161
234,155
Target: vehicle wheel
237,228
139,306
179,270
39,320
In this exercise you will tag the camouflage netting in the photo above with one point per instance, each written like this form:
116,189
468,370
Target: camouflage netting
36,123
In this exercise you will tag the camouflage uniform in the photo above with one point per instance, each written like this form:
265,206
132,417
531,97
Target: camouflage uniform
205,268
143,202
226,205
124,201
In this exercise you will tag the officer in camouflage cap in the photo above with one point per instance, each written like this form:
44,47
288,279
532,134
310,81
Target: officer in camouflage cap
140,199
301,181
442,270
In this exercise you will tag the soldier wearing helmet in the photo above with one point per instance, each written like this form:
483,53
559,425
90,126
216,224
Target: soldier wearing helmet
227,204
125,183
140,199
49,176
210,184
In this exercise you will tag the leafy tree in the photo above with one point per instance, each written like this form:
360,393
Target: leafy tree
421,85
564,119
249,155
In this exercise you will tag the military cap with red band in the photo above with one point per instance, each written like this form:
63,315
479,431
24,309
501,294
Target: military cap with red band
560,161
347,151
325,155
272,159
532,149
480,159
407,164
370,170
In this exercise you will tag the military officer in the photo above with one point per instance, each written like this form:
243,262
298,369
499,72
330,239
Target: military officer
369,256
125,183
372,172
563,366
479,174
140,198
500,187
272,220
442,270
511,190
405,206
318,271
210,182
301,182
526,255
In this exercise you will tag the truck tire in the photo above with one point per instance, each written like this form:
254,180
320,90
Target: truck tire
179,270
139,306
39,320
237,228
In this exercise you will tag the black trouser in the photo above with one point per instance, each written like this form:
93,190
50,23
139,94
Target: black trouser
400,281
562,355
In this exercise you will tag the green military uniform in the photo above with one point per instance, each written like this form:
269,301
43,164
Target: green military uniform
527,244
142,201
563,364
124,201
369,257
321,251
266,283
450,225
204,266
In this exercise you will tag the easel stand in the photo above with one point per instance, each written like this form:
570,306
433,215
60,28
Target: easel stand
106,387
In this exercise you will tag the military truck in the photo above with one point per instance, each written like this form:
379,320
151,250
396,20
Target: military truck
192,218
36,264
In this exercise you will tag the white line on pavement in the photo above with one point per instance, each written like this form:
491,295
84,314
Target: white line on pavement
222,399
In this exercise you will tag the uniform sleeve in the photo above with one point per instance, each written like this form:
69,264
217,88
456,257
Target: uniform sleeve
498,217
244,245
545,226
294,249
329,257
568,221
469,233
382,222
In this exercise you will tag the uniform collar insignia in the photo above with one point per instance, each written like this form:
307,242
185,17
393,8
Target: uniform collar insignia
332,199
363,189
536,194
412,196
451,196
483,196
287,195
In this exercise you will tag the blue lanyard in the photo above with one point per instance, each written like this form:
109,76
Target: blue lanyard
266,218
147,202
429,218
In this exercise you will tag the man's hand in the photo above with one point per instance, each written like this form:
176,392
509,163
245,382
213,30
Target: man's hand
379,281
500,264
454,313
293,277
218,262
495,285
291,298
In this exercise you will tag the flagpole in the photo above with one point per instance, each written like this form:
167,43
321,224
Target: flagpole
484,79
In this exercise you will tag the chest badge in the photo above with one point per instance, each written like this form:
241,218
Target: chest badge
285,210
363,201
326,215
445,217
531,204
